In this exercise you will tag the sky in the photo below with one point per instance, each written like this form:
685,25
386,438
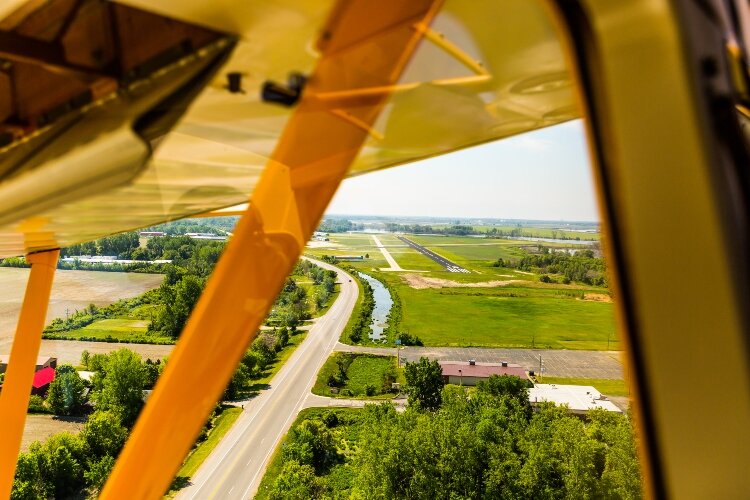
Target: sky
543,175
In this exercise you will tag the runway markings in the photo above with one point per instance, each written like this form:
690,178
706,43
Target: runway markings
448,265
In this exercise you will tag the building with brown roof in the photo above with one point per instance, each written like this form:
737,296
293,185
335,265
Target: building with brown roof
470,372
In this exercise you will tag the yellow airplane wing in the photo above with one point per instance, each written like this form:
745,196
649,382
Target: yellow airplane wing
151,130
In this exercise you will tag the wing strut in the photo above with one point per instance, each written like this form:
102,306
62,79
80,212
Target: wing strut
365,44
14,399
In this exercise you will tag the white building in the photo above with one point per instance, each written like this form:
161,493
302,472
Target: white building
579,398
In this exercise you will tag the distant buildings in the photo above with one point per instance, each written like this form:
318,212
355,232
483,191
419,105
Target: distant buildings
349,257
41,362
469,372
206,236
109,260
579,398
43,376
195,236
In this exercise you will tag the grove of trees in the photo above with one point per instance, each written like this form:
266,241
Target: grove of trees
484,444
583,266
66,464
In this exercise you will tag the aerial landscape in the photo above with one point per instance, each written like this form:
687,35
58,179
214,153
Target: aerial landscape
374,250
450,324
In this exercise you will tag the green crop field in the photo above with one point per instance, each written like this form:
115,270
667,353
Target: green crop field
116,328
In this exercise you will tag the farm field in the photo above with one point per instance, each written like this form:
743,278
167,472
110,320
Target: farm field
71,290
124,329
40,427
489,306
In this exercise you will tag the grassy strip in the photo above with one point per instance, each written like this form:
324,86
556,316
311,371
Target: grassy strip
354,318
608,387
272,369
113,330
221,426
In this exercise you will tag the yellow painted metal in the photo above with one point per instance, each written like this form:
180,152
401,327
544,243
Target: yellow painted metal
365,44
492,69
14,398
683,320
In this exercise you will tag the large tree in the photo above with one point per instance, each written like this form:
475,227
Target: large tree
424,383
66,392
122,383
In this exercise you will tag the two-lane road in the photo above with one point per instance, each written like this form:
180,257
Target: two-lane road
236,466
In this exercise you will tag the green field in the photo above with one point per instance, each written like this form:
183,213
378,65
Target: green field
523,313
115,330
363,370
506,317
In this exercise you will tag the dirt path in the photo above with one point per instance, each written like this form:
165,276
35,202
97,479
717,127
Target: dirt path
40,427
420,282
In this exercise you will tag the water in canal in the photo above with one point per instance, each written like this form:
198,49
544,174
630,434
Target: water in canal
383,304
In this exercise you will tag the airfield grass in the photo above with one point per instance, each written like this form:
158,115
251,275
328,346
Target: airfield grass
522,314
608,387
365,369
507,321
509,316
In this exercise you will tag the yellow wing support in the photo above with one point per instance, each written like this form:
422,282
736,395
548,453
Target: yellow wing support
366,44
14,399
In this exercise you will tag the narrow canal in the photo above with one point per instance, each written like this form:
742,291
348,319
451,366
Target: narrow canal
383,304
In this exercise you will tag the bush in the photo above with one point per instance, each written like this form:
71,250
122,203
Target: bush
36,404
331,419
370,390
408,339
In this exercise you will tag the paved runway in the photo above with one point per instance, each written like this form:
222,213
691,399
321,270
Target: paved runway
448,265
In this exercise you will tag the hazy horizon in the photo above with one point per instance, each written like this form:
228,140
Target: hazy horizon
543,175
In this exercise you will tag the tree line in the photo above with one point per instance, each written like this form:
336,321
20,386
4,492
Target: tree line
453,230
67,464
582,266
339,226
215,225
